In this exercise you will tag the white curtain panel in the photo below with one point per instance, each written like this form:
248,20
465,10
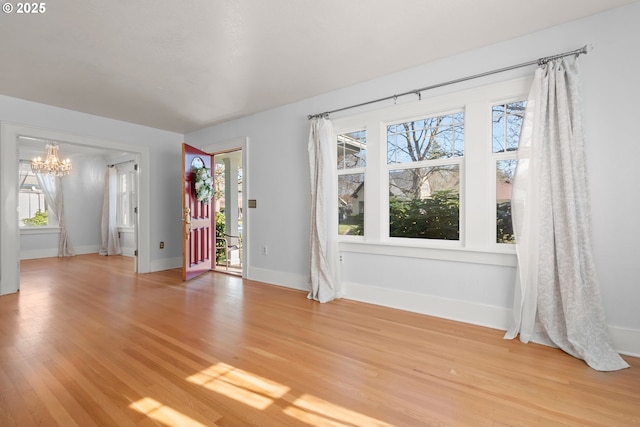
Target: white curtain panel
110,241
52,189
557,298
324,274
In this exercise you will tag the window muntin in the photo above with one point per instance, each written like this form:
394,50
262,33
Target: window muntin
351,204
476,167
423,158
426,139
506,124
33,207
351,164
126,202
352,150
424,203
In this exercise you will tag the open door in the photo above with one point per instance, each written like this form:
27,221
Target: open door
198,235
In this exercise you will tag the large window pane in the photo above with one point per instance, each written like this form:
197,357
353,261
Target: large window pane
33,209
352,150
351,204
426,139
504,181
506,125
424,203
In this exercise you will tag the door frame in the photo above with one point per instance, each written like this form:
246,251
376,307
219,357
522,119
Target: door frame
9,229
241,143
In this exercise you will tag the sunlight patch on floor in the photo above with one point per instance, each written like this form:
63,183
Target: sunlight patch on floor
239,385
315,411
163,413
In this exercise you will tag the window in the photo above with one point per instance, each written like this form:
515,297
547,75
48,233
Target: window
423,158
506,124
33,208
438,173
352,151
126,204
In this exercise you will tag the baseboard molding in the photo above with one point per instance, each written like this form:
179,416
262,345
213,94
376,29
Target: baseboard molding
165,264
446,308
272,277
625,341
53,252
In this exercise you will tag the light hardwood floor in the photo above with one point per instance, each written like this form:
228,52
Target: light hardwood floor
88,343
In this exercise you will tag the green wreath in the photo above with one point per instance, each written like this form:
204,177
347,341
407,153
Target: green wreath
203,185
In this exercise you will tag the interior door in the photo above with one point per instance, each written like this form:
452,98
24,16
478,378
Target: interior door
198,235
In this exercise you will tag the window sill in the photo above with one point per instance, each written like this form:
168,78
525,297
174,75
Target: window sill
39,230
506,257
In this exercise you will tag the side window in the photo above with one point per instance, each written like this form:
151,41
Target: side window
423,162
125,215
352,161
506,125
33,208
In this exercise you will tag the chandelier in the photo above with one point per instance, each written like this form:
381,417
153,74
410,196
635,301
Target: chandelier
52,164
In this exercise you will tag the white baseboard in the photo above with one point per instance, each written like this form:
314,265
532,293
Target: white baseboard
165,264
53,252
624,340
288,280
446,308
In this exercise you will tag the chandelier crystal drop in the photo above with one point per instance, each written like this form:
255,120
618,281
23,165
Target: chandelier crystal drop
52,165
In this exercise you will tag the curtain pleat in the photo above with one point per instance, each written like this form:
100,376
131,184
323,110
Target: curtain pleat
109,227
557,297
324,274
52,189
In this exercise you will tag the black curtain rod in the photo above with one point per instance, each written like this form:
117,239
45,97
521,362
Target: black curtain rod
540,61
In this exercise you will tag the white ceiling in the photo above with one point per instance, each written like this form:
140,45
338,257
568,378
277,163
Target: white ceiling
182,65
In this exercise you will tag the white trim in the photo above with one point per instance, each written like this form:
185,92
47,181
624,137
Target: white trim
241,143
625,341
452,253
53,252
457,310
39,230
9,233
165,264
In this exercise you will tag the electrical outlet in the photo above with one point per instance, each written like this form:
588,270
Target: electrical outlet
341,259
161,245
265,250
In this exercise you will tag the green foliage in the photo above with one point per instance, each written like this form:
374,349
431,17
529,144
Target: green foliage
504,224
38,220
437,217
221,254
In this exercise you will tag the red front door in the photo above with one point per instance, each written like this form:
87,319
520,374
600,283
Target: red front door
198,235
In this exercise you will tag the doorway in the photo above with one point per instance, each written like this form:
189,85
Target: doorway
12,138
229,210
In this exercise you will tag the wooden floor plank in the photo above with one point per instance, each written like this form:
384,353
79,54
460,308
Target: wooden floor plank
88,342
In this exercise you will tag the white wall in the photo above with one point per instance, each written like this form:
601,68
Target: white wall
163,188
477,293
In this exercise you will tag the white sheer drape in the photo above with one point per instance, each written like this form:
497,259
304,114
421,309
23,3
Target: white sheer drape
557,297
110,241
52,189
324,274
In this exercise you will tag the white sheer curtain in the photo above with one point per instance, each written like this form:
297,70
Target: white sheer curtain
110,241
324,275
52,189
557,298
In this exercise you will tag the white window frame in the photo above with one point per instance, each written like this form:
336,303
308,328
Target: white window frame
129,170
52,220
355,171
477,242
